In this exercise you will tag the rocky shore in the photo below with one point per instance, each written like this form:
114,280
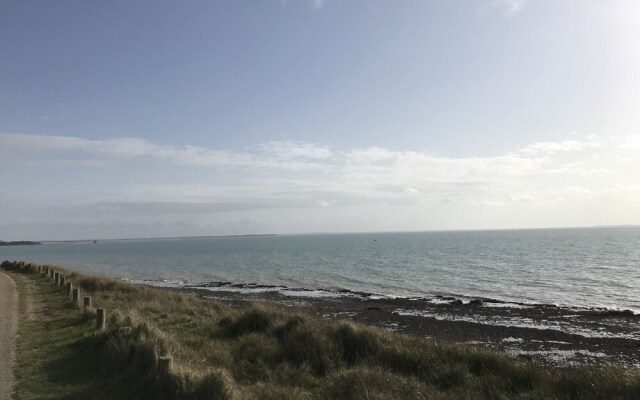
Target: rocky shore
546,334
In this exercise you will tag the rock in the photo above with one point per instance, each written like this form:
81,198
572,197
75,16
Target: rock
475,302
619,313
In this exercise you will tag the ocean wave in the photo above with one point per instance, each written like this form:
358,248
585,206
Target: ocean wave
438,299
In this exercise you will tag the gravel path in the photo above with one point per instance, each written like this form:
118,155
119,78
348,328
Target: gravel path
8,328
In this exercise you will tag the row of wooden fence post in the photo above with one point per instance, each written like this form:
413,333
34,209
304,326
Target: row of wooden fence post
74,293
164,362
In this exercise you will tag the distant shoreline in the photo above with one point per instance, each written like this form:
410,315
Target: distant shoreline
620,226
19,243
154,238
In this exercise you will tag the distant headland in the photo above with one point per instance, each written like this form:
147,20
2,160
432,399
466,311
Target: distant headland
19,243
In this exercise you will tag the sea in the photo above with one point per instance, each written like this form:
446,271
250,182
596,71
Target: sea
583,267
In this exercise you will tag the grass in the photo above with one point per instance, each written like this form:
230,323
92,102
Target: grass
258,352
55,359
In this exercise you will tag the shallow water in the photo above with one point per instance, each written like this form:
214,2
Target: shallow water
597,267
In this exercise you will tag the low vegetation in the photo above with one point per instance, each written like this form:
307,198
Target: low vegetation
221,352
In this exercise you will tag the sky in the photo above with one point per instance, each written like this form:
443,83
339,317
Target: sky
129,119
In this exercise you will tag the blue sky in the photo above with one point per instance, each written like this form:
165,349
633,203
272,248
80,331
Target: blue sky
163,118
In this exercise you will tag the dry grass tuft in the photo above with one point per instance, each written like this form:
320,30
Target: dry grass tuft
269,353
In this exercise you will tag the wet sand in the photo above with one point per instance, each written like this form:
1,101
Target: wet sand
543,333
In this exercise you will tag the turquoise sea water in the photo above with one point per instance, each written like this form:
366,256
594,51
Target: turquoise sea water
598,267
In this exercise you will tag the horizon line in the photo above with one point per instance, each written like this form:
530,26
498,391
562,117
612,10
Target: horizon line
53,241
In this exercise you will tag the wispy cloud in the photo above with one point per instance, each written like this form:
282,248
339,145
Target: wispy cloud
510,7
275,182
580,157
56,149
290,150
315,3
631,142
555,147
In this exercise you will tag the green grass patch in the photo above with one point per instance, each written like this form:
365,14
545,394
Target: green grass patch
56,356
259,352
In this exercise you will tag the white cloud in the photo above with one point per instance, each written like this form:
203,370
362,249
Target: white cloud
291,150
555,147
631,142
409,191
581,191
315,3
538,185
281,155
487,203
372,154
510,7
521,197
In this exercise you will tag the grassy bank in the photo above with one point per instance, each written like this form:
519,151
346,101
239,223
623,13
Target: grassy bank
220,352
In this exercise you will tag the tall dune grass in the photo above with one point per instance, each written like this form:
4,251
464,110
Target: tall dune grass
268,352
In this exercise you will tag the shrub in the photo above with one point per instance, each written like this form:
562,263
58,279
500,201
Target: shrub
94,284
254,356
356,343
373,384
305,343
254,320
218,384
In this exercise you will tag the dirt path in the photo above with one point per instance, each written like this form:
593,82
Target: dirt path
8,329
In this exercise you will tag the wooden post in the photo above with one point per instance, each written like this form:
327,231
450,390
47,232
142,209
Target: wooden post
76,295
87,302
56,278
164,365
62,279
69,288
101,318
39,269
51,273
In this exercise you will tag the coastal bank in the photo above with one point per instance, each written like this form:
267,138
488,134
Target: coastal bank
170,344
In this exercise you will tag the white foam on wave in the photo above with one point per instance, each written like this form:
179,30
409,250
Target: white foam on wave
565,357
511,339
246,290
506,305
280,290
249,289
550,341
519,322
340,314
167,283
314,293
324,293
437,300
